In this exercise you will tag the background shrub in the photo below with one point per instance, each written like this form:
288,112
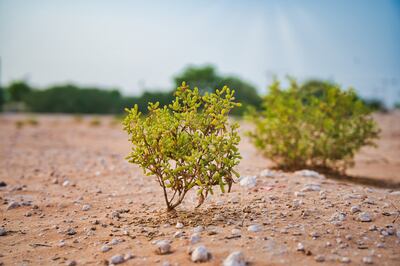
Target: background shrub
308,126
186,144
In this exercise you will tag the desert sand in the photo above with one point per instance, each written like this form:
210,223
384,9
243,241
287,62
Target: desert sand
70,198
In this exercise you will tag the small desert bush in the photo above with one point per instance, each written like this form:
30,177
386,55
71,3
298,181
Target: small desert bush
189,143
19,124
95,122
78,118
32,121
299,128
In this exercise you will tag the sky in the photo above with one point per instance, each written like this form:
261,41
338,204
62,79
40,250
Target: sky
138,45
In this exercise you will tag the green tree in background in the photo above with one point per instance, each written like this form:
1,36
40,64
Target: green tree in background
207,79
72,99
18,90
2,99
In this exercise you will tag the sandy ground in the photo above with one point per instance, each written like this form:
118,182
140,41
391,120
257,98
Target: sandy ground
56,168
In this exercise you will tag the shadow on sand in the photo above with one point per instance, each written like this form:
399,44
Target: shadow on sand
363,180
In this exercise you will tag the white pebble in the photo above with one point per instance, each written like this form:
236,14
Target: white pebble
254,228
86,207
248,181
200,254
195,238
117,259
367,260
198,229
105,248
235,259
179,225
365,217
163,247
300,247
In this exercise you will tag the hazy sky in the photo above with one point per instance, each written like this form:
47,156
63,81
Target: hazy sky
136,44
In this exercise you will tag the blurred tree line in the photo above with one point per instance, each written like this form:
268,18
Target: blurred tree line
69,98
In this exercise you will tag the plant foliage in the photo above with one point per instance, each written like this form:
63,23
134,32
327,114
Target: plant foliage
188,143
302,127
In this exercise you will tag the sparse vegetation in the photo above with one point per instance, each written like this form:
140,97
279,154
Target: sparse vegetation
78,118
187,144
19,124
307,128
95,122
32,121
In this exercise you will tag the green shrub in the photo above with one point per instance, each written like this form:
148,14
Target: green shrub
189,143
299,128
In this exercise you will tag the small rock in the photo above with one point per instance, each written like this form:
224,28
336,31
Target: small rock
345,260
163,247
309,173
178,234
3,231
200,254
179,225
71,231
115,241
61,243
297,203
365,217
13,205
373,228
235,259
3,184
117,259
235,200
236,232
395,193
300,247
105,248
198,229
71,263
355,209
248,181
369,201
115,214
128,256
311,187
254,228
338,217
314,234
86,207
319,258
367,260
195,238
322,194
66,183
299,194
267,173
